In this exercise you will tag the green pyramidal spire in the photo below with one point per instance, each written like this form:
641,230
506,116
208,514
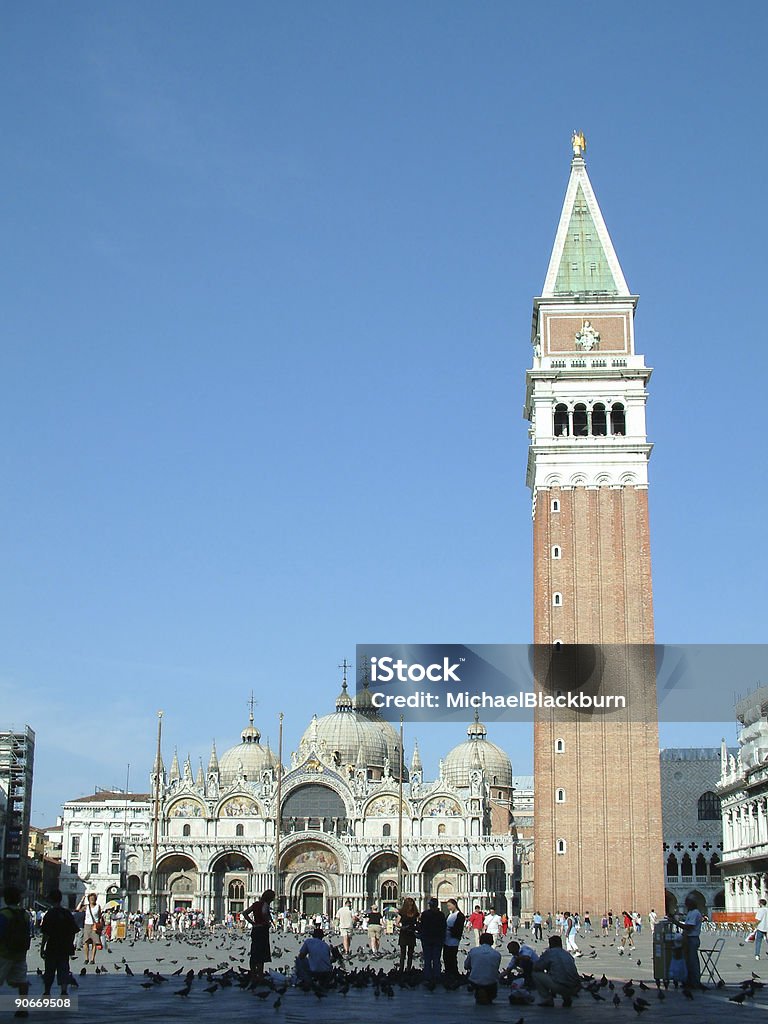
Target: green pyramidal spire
583,260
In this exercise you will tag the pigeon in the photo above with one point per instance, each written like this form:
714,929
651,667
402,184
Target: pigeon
211,989
182,991
739,998
616,1002
128,971
82,972
276,1004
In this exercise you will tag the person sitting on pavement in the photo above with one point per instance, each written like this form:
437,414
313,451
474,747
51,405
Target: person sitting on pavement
482,964
555,974
313,963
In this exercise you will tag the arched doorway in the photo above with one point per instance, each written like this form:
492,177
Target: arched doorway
133,893
231,883
444,877
496,884
670,903
309,895
381,881
178,883
311,878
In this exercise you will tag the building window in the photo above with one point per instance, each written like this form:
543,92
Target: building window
94,867
580,420
387,831
74,867
389,892
709,807
618,421
75,845
557,600
556,552
561,420
555,506
239,831
599,420
559,746
116,843
186,831
115,867
560,796
441,830
95,846
561,847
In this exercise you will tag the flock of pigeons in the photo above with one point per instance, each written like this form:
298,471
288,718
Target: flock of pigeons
230,973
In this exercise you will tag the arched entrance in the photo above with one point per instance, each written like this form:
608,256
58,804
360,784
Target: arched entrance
496,884
178,883
231,874
309,895
311,878
133,893
444,877
381,881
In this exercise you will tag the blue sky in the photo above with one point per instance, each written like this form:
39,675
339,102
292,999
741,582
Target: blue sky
268,278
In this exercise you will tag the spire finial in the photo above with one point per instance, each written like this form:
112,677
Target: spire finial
251,702
344,666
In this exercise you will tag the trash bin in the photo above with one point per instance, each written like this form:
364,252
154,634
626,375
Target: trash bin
666,935
118,930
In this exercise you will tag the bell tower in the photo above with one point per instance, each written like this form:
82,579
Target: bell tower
597,822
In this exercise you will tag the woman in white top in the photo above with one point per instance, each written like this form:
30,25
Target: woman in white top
92,926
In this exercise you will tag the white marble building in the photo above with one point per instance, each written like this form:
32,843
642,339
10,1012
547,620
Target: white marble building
339,824
743,791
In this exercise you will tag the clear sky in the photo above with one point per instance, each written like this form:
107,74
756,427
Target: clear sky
268,273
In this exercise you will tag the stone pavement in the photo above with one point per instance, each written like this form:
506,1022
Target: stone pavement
117,996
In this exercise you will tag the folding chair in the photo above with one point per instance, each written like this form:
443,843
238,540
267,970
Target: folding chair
709,958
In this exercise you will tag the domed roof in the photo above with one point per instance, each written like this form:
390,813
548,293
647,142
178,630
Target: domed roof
248,757
458,763
352,736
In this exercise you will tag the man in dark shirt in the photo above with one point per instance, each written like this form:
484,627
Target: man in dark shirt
555,974
431,929
59,930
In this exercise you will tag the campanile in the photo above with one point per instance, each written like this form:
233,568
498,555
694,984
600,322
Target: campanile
597,823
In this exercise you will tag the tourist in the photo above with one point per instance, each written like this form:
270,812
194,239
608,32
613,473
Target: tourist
314,960
477,923
482,965
555,974
692,936
537,926
431,931
629,927
454,929
374,929
14,942
407,919
761,929
259,917
346,920
522,959
652,919
59,930
93,927
493,925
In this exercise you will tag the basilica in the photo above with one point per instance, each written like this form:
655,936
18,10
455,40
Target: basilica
213,833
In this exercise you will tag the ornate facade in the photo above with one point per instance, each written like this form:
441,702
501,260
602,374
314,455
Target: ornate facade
339,821
743,791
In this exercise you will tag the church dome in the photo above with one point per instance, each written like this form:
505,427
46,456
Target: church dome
459,762
353,737
248,757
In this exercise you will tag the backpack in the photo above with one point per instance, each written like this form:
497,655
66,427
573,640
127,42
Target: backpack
16,938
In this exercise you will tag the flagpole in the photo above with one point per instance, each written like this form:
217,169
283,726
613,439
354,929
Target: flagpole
153,887
278,814
400,823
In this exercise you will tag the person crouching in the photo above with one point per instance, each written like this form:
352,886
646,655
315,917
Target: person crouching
482,964
313,963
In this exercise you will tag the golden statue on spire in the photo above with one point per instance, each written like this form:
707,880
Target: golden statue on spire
579,143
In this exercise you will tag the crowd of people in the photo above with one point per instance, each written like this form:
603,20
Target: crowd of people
439,932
